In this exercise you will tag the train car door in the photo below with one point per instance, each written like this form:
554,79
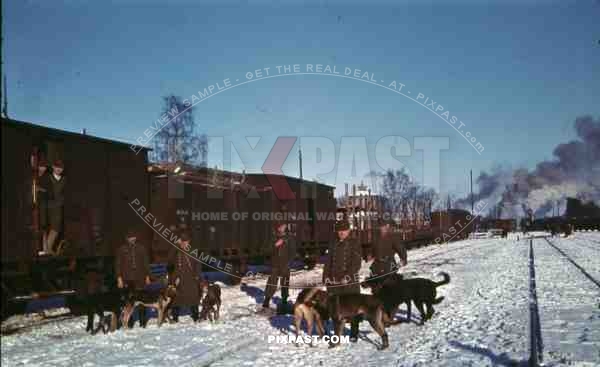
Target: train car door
16,194
86,196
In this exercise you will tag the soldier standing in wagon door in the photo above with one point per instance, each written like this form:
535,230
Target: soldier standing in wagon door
188,270
280,268
341,272
56,203
43,184
132,269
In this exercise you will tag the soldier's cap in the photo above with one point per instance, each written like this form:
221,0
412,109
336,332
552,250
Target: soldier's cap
342,225
131,233
385,221
58,164
277,224
185,235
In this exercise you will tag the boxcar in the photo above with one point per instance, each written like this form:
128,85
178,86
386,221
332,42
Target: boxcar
102,177
312,211
218,215
231,215
451,225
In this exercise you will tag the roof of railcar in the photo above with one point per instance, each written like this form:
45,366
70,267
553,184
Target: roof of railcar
250,177
29,125
289,179
451,212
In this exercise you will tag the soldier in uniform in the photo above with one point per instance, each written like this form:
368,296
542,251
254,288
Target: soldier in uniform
341,272
384,250
189,271
132,269
56,203
43,184
280,268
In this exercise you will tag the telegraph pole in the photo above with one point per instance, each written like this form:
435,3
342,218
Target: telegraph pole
472,203
4,100
3,96
300,159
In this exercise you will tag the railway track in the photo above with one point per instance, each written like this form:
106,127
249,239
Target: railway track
453,249
44,320
591,240
569,259
588,246
535,332
562,304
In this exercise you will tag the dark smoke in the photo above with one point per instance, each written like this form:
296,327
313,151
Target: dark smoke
573,172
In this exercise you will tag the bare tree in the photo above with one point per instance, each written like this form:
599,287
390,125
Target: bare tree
402,196
393,186
178,140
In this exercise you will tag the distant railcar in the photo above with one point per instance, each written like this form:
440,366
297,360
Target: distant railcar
451,225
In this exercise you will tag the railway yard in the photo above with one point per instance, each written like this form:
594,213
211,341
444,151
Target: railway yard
509,302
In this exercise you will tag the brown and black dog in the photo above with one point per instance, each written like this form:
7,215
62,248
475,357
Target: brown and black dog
92,298
311,306
211,304
346,307
395,290
161,301
111,301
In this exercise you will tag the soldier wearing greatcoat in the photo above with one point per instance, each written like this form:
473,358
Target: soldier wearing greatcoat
386,246
280,267
132,269
341,272
189,271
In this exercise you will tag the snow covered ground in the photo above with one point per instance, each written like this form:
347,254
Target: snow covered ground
569,300
483,320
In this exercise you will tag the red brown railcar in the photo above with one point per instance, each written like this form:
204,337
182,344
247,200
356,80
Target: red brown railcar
102,177
312,211
231,215
451,225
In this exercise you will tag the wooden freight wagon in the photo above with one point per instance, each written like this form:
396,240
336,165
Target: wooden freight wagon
231,215
451,225
215,209
311,213
102,177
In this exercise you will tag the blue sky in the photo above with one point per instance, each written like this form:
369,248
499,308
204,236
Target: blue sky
517,75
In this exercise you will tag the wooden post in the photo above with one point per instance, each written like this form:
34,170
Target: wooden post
353,207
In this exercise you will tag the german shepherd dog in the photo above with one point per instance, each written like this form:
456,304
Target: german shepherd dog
396,290
161,301
311,306
346,307
111,301
211,304
93,299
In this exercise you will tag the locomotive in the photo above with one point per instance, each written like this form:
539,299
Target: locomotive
578,216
